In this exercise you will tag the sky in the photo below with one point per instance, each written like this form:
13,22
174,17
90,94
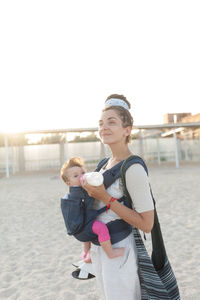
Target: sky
59,60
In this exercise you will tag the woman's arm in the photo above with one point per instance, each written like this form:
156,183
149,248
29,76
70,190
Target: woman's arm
142,220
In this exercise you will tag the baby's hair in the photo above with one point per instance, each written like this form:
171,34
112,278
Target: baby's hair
72,162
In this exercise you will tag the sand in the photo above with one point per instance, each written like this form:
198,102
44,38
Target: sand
36,254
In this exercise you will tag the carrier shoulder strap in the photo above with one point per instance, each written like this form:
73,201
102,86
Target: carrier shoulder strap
114,174
131,160
101,164
120,169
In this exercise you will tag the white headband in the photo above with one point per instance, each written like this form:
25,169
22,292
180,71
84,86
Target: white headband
117,102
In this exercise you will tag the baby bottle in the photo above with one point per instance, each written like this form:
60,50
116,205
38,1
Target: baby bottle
93,178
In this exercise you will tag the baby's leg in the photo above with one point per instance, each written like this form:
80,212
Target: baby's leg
101,230
86,252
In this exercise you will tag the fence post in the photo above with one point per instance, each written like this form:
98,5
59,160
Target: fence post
13,160
158,149
176,150
6,156
185,148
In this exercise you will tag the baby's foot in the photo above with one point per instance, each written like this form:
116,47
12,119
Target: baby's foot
87,258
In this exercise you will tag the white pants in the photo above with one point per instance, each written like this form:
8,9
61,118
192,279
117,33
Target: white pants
118,277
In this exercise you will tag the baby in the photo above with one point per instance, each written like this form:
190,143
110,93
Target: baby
72,172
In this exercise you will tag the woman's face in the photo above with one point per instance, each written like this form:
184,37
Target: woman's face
111,130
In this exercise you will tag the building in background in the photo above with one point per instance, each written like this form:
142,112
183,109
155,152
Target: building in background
195,132
175,117
191,119
191,133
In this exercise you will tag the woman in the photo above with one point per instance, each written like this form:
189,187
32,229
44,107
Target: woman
118,278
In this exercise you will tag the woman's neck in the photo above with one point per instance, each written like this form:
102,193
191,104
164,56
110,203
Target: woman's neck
119,152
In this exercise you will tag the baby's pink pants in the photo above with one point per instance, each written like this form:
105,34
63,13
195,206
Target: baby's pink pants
101,230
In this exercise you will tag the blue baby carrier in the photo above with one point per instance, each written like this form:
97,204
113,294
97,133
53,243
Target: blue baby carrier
79,215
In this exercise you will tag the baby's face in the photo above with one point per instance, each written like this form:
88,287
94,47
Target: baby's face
73,175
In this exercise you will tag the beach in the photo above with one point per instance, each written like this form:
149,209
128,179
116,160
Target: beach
36,254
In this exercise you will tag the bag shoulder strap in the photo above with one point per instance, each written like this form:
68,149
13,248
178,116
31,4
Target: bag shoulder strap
158,247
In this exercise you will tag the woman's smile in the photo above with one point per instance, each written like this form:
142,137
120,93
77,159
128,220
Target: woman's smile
105,134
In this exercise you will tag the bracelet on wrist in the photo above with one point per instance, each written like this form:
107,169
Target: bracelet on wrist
112,199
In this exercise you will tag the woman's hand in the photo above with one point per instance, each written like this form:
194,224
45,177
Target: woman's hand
97,192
